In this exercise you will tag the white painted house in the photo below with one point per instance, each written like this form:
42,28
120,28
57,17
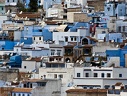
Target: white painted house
56,12
99,77
11,2
65,37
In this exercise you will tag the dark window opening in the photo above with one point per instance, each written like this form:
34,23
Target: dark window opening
78,74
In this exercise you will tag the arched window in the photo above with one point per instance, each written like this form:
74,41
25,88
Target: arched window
68,60
84,41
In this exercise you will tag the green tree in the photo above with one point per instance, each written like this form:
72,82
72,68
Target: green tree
21,7
33,6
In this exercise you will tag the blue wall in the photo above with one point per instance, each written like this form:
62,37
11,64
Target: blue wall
15,61
47,35
118,53
111,9
26,40
7,45
78,25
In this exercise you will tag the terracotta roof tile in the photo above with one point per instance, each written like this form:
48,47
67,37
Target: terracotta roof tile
87,91
32,80
35,15
93,39
23,90
118,83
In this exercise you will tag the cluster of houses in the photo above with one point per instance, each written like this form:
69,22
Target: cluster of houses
67,48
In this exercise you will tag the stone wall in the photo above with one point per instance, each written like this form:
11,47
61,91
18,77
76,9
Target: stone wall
9,74
97,4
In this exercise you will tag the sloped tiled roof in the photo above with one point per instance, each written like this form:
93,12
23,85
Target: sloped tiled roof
118,83
93,39
23,90
35,15
87,91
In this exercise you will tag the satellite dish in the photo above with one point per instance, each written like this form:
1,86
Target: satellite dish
81,62
77,61
17,43
20,12
26,18
8,12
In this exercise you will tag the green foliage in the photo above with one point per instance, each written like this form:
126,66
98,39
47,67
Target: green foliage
33,6
21,7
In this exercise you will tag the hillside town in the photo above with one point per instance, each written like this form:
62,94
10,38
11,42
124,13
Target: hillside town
63,48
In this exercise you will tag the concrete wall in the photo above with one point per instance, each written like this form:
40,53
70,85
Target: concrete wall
51,86
83,17
66,80
9,75
117,71
123,93
101,47
2,17
111,24
17,35
113,60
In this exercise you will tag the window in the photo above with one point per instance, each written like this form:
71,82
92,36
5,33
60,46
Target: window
75,39
24,67
24,86
119,28
87,75
71,38
7,0
66,39
28,95
52,52
23,95
102,75
34,38
120,75
78,74
31,85
61,76
39,38
58,52
103,32
108,75
123,28
14,94
2,8
107,86
41,83
19,95
95,74
39,1
55,75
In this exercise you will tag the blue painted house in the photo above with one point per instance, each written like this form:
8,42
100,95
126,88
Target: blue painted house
30,31
118,53
77,25
15,61
7,45
114,37
115,8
